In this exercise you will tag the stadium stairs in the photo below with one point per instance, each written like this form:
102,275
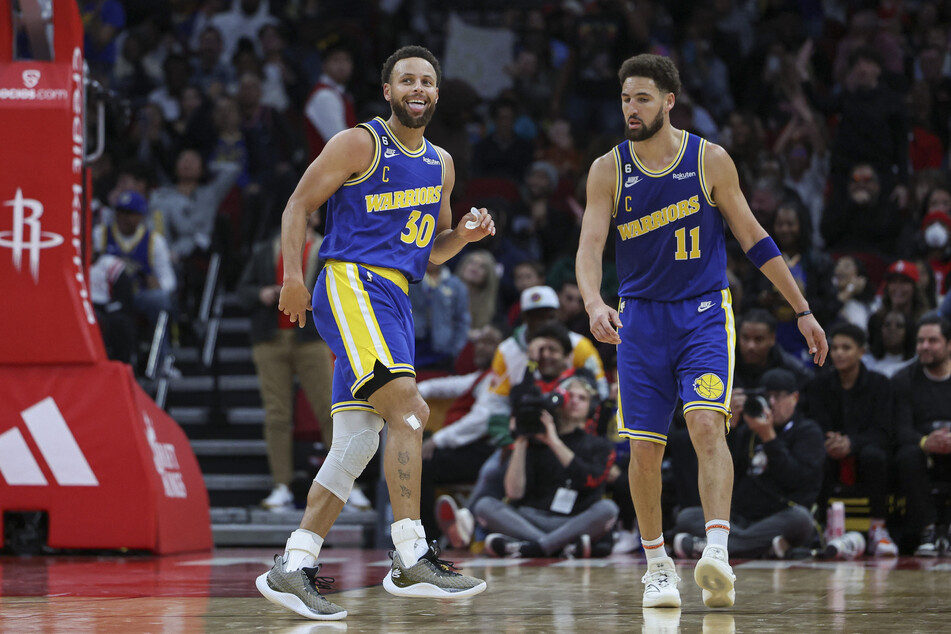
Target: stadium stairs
219,408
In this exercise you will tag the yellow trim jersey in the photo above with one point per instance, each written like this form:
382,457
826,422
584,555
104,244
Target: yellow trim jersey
668,231
387,215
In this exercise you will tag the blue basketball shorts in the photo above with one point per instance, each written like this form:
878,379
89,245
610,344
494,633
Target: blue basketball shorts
364,315
685,349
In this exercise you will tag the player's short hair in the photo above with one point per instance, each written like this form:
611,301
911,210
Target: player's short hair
557,331
759,316
410,51
661,69
936,319
853,332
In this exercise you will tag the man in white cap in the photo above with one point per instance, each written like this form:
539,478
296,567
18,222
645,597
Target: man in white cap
539,306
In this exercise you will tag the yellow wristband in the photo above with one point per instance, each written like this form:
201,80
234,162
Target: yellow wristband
921,444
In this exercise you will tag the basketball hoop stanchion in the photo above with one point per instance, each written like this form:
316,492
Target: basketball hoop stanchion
79,439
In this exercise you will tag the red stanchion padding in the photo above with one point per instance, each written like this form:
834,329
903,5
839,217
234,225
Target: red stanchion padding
47,314
88,446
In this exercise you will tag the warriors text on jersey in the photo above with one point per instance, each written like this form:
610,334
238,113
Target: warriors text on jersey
669,233
387,215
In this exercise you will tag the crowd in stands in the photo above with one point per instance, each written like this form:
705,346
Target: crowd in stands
837,115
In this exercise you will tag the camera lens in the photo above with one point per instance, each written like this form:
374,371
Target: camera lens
755,406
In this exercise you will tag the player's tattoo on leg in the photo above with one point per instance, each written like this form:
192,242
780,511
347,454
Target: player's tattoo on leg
403,457
404,475
404,491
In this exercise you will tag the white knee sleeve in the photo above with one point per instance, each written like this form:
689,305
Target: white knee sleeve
356,438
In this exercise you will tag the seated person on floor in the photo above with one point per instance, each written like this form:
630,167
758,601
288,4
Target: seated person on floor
556,475
777,463
455,453
923,420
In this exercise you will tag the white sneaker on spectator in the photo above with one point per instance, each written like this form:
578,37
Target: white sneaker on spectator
280,499
715,576
779,547
660,584
626,542
499,545
880,543
578,549
358,501
457,524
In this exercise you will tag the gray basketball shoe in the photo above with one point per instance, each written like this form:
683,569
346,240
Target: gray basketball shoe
430,577
298,591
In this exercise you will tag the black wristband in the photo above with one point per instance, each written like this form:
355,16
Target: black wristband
803,313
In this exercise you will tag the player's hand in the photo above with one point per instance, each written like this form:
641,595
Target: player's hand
604,322
476,224
551,432
294,301
815,338
762,426
837,445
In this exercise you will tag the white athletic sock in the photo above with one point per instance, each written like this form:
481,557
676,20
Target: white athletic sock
409,538
718,531
302,549
654,548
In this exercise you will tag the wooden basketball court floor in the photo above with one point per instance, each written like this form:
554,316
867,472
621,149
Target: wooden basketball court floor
214,592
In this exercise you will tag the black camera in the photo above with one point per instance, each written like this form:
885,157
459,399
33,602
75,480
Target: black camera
756,405
528,403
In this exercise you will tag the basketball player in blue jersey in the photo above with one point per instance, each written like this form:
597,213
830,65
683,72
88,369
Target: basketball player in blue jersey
664,194
388,214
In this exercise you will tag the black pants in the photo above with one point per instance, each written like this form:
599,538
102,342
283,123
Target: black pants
916,481
448,466
872,479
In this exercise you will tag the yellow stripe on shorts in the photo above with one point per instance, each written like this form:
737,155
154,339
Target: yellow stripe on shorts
355,319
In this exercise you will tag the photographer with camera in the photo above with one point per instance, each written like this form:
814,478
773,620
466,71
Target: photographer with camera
555,478
778,459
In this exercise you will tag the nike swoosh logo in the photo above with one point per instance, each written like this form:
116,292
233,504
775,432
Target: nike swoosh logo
704,306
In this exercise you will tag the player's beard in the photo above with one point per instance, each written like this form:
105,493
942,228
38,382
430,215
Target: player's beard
412,121
645,131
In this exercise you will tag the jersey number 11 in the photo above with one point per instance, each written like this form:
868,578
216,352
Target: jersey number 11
681,235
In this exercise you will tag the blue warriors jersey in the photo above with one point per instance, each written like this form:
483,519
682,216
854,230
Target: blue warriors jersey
670,243
137,253
387,215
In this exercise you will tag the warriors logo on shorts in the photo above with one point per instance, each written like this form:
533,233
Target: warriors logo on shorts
708,386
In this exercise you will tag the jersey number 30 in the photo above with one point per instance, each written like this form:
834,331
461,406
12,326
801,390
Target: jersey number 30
681,235
422,234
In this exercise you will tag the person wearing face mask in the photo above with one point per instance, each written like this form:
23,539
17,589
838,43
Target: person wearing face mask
936,247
